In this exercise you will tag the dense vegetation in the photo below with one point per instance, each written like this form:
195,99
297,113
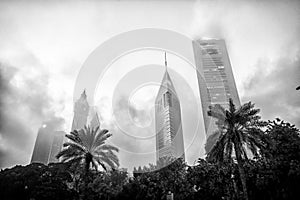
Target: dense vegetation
271,171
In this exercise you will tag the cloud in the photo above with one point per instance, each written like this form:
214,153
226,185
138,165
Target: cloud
274,92
25,104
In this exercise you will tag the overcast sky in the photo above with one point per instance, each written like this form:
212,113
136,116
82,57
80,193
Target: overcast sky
43,46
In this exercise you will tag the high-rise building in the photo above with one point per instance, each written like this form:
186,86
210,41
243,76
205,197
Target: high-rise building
56,146
81,112
84,114
215,79
47,145
42,145
169,138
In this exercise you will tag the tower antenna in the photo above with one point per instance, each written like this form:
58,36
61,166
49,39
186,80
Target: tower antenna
166,64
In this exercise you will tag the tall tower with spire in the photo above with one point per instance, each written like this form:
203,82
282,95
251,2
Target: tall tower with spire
81,112
169,137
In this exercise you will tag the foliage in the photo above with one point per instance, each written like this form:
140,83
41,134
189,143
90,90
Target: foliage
274,174
36,181
277,174
103,185
284,141
155,184
212,180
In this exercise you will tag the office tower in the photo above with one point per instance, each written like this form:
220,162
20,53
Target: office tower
81,112
42,145
215,79
56,146
169,138
48,143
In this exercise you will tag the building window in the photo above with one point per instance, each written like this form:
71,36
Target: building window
211,50
167,99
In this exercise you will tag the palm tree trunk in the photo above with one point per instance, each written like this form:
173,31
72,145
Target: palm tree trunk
86,179
241,171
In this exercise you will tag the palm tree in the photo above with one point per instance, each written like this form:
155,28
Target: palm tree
237,129
87,147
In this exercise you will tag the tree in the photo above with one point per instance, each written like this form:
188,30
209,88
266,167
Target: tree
87,146
211,180
105,185
238,128
37,181
284,141
278,171
154,182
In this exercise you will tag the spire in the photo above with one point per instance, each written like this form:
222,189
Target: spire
166,64
166,82
83,94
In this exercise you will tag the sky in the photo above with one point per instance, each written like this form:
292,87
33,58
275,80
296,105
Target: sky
43,46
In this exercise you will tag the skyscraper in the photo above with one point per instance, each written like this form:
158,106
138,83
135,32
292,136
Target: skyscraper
47,145
81,112
169,138
56,146
84,114
42,145
215,79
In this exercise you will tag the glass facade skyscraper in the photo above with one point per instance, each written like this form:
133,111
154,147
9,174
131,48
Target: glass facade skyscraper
47,145
56,147
42,145
169,138
215,79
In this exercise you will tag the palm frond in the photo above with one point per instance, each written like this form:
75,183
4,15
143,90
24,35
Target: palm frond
76,160
109,155
84,135
67,152
77,146
74,136
217,111
101,140
107,161
107,147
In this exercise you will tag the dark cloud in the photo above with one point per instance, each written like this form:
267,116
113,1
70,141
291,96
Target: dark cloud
23,108
274,92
